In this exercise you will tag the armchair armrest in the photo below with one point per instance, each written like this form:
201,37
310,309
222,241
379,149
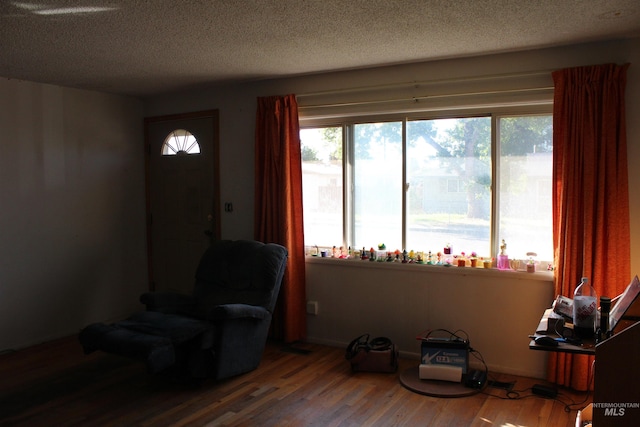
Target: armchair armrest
168,302
238,311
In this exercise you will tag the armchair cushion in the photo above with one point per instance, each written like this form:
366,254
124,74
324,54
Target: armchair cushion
240,271
177,328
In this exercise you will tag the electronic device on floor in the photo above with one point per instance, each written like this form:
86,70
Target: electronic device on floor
444,356
475,379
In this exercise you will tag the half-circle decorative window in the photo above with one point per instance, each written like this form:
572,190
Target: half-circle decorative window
180,142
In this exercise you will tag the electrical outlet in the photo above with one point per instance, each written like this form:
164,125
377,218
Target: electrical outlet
312,307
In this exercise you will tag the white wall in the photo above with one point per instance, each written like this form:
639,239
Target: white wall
72,230
411,301
497,309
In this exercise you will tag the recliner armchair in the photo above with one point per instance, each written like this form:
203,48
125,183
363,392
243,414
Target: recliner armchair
218,331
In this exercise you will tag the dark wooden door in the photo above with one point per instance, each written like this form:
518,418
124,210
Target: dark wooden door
183,196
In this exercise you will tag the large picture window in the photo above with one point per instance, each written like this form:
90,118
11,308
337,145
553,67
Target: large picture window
422,184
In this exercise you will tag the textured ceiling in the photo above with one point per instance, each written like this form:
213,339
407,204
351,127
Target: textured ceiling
145,47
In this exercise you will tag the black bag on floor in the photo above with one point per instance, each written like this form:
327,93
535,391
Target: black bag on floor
377,355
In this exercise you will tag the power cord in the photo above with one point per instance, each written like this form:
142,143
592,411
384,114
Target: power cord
568,403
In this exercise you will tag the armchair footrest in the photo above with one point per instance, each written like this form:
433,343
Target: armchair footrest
157,352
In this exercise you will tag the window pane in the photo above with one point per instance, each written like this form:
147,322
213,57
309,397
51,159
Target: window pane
180,142
449,176
322,185
525,173
378,184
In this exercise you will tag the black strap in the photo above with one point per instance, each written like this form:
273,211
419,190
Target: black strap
380,344
453,336
356,345
361,346
363,343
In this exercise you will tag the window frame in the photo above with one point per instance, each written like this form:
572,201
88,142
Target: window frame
347,122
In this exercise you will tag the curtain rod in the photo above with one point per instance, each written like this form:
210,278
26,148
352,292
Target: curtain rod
417,84
417,99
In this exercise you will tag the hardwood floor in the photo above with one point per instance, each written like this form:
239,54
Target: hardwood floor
305,385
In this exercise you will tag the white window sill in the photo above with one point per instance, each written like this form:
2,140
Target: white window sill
469,271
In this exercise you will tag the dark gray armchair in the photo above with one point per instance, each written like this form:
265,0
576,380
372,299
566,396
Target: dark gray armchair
218,331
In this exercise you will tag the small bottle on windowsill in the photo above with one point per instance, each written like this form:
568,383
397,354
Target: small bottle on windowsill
503,258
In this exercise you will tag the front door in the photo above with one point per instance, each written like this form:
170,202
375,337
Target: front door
182,196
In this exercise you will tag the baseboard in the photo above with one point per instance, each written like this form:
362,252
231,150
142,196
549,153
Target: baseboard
416,356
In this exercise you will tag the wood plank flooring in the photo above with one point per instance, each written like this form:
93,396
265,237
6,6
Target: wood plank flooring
55,384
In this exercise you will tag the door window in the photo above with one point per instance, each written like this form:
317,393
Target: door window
180,142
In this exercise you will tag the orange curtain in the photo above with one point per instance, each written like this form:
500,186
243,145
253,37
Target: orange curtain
278,206
590,195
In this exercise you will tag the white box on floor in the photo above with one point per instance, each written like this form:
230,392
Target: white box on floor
440,372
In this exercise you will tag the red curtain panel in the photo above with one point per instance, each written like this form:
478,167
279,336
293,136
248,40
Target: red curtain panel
278,206
590,195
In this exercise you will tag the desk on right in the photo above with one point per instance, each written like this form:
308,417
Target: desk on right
551,325
616,389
